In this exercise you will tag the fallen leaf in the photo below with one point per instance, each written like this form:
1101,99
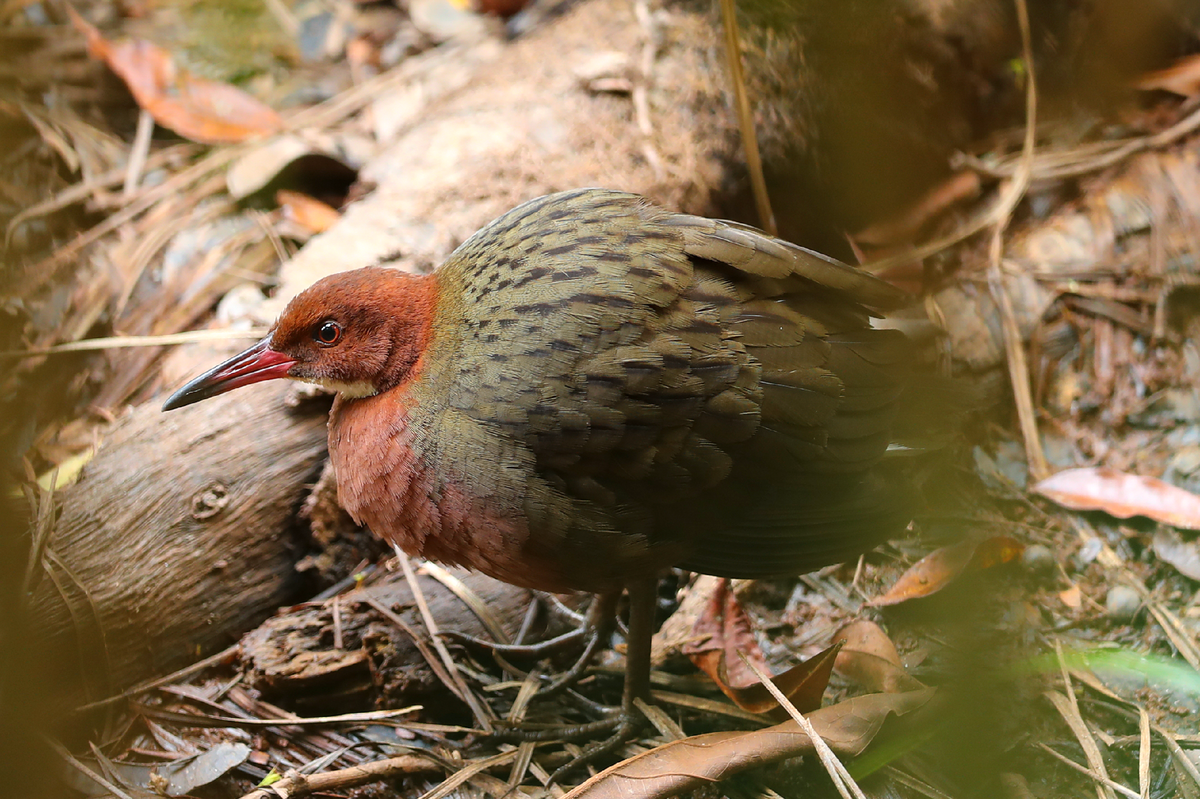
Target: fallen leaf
723,631
870,658
942,566
673,768
308,212
1182,77
1122,495
176,778
1071,597
196,108
1183,555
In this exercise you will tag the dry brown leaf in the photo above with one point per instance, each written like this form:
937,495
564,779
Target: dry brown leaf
1122,495
942,566
196,108
1071,597
1182,77
668,770
870,658
723,631
309,212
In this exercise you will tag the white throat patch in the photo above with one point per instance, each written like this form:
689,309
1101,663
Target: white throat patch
362,388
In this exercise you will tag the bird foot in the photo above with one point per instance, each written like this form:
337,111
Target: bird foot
628,726
538,651
622,726
592,634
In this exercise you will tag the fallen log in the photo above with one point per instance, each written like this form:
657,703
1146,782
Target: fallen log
180,533
346,654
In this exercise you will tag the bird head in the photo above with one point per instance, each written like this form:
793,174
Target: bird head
357,333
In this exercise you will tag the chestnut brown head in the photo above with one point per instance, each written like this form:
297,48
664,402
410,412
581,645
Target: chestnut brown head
357,333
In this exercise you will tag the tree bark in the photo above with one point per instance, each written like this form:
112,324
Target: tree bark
178,536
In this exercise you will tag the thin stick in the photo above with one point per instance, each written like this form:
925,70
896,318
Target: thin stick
842,780
1105,781
1143,752
469,598
1068,707
733,53
297,785
122,342
483,716
1014,347
338,643
138,153
175,676
92,775
435,664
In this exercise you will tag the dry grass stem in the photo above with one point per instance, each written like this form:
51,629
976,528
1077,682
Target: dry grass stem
733,54
469,598
842,780
1068,707
1100,779
483,713
124,342
83,769
1143,752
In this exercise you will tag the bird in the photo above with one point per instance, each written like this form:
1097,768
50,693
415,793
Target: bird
592,389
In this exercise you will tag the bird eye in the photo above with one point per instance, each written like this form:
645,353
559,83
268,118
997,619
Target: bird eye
327,333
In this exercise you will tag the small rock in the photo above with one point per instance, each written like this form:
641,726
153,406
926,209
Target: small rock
1039,560
1122,603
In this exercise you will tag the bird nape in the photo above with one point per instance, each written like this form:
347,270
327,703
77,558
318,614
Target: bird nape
592,389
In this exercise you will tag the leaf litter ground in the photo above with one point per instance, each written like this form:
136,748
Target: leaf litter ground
1054,652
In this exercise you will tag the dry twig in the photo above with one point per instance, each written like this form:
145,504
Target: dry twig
842,780
298,785
733,53
483,714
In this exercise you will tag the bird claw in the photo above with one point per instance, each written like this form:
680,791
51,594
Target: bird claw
626,729
542,649
593,632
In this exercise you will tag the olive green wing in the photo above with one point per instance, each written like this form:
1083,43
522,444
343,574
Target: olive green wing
638,360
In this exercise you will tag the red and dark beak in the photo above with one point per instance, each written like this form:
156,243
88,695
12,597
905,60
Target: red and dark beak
254,365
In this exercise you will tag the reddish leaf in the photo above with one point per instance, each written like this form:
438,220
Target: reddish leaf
723,631
673,768
308,212
1122,495
870,658
942,566
1182,77
196,108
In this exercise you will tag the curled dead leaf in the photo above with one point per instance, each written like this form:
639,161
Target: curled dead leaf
668,770
1182,77
943,566
723,631
870,658
308,212
1122,495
